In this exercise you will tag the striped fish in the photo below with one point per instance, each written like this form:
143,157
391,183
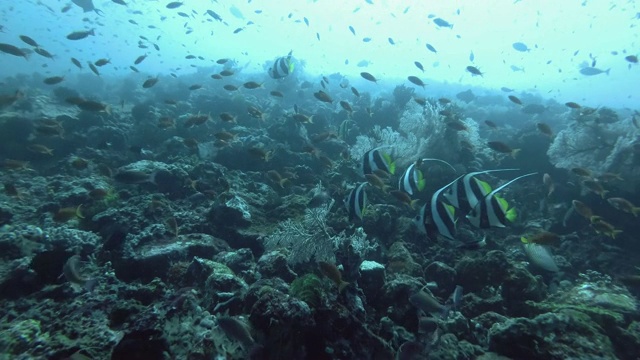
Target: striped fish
356,202
282,67
375,159
437,217
468,190
492,210
412,180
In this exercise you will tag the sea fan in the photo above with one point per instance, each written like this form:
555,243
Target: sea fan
540,256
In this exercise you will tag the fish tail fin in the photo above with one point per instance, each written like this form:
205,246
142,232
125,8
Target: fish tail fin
635,211
511,215
342,285
515,153
107,109
524,240
615,233
604,193
607,71
79,212
413,203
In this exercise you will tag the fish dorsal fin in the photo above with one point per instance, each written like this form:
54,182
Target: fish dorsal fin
451,210
504,205
441,161
484,186
492,193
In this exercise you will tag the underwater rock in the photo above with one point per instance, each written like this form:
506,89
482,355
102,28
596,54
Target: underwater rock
474,274
372,277
149,344
154,259
555,336
450,347
443,274
240,260
274,264
275,313
401,261
222,285
235,213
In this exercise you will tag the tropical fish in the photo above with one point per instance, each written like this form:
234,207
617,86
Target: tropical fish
572,105
603,227
545,129
53,80
323,96
474,71
79,35
174,5
416,80
442,23
624,205
501,147
412,180
73,273
492,210
369,77
426,302
514,99
522,47
375,159
467,190
419,65
282,67
356,202
150,82
333,273
436,217
140,59
234,328
13,50
590,71
431,48
595,186
28,40
540,256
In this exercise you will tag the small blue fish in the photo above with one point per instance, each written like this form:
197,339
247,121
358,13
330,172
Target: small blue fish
442,23
519,46
471,56
431,48
391,41
353,31
590,71
367,39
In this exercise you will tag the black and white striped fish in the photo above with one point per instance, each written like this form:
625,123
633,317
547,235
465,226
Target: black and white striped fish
492,210
282,67
356,202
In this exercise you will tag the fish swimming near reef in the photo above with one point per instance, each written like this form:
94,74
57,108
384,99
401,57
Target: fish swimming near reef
492,210
467,191
282,67
590,71
412,180
356,202
376,159
73,273
437,217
